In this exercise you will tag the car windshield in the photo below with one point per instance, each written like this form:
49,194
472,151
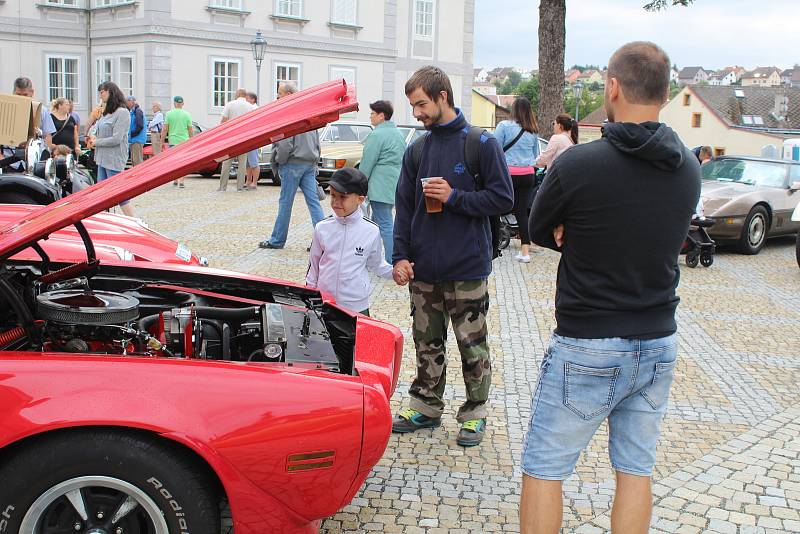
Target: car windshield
762,173
340,133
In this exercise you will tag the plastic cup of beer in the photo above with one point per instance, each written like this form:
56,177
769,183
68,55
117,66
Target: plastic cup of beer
432,205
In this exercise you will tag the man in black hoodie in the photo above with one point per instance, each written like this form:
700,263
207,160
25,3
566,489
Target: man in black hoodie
618,210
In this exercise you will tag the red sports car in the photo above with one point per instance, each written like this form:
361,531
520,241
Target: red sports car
115,237
147,398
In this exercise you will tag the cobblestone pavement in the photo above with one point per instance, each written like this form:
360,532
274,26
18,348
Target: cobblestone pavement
729,457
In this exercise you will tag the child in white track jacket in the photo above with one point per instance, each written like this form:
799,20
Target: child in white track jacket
346,245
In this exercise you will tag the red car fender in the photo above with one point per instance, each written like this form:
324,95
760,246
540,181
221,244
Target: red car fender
379,349
258,419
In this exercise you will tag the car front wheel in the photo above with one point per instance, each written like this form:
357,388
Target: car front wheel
105,482
754,233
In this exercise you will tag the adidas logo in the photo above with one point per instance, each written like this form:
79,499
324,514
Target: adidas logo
359,251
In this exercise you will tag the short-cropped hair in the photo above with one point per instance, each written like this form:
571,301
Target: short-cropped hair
642,69
432,80
383,106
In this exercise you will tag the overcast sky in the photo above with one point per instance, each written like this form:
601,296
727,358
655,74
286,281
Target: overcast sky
709,33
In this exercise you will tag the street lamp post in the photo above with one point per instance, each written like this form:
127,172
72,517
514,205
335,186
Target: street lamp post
259,46
577,92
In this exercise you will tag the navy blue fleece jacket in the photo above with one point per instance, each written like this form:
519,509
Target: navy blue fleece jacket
456,243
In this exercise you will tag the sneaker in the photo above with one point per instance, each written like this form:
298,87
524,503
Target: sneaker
181,186
523,259
471,432
174,184
411,421
267,244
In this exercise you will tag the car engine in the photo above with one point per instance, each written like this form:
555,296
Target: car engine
152,320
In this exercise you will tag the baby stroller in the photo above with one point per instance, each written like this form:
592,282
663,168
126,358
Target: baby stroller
698,246
509,226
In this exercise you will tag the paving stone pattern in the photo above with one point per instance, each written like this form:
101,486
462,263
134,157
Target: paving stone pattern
729,456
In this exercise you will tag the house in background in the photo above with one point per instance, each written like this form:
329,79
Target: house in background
200,49
673,75
726,76
571,76
762,77
692,75
480,75
589,127
485,88
795,83
590,76
486,112
734,120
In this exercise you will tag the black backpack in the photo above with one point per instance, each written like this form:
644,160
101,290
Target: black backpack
472,152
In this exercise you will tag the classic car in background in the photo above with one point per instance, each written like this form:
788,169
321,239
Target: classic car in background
143,398
750,199
116,237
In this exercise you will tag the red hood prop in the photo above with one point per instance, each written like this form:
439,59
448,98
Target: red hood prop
295,114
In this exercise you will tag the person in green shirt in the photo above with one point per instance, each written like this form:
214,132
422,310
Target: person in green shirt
381,162
177,128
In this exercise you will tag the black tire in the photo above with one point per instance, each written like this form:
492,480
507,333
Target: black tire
505,237
13,197
692,259
797,250
101,469
706,258
754,232
207,174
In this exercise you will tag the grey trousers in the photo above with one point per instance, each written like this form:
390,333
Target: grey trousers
241,171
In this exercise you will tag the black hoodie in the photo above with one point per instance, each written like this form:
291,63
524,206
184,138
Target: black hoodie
625,202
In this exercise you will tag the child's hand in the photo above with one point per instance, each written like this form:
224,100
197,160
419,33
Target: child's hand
403,272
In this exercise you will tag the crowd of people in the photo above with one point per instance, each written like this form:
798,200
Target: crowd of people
613,352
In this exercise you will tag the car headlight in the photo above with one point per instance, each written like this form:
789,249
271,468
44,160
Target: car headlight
331,163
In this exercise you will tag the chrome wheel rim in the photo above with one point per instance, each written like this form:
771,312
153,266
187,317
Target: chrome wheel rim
94,505
756,230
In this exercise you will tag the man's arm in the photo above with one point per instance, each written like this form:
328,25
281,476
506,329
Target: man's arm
405,197
496,194
283,150
312,276
548,211
164,132
190,128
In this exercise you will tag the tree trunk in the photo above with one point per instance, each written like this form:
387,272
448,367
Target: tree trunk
552,15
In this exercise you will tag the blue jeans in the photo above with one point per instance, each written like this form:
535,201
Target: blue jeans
583,382
294,175
104,173
382,215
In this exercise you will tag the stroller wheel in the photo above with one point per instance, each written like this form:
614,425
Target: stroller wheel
692,259
706,258
505,237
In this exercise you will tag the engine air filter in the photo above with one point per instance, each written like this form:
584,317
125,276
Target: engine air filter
79,306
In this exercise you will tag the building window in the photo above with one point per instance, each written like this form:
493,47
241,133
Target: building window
687,99
348,73
106,3
344,12
225,81
228,4
423,19
697,120
62,77
287,72
719,151
290,8
75,3
125,78
117,69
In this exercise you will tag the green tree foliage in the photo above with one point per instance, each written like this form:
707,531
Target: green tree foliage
658,5
511,83
584,68
530,90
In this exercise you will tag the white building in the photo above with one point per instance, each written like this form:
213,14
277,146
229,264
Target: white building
199,49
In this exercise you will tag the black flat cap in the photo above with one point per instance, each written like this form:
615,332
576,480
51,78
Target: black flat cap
349,180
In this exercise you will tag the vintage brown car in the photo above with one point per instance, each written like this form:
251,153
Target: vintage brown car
750,199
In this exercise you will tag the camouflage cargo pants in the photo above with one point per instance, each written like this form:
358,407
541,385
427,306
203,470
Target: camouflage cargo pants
433,306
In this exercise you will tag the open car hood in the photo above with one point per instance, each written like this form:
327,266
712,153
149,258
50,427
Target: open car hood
295,114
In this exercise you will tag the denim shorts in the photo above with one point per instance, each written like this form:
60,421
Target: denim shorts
581,383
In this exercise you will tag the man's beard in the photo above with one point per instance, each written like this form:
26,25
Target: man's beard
434,119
